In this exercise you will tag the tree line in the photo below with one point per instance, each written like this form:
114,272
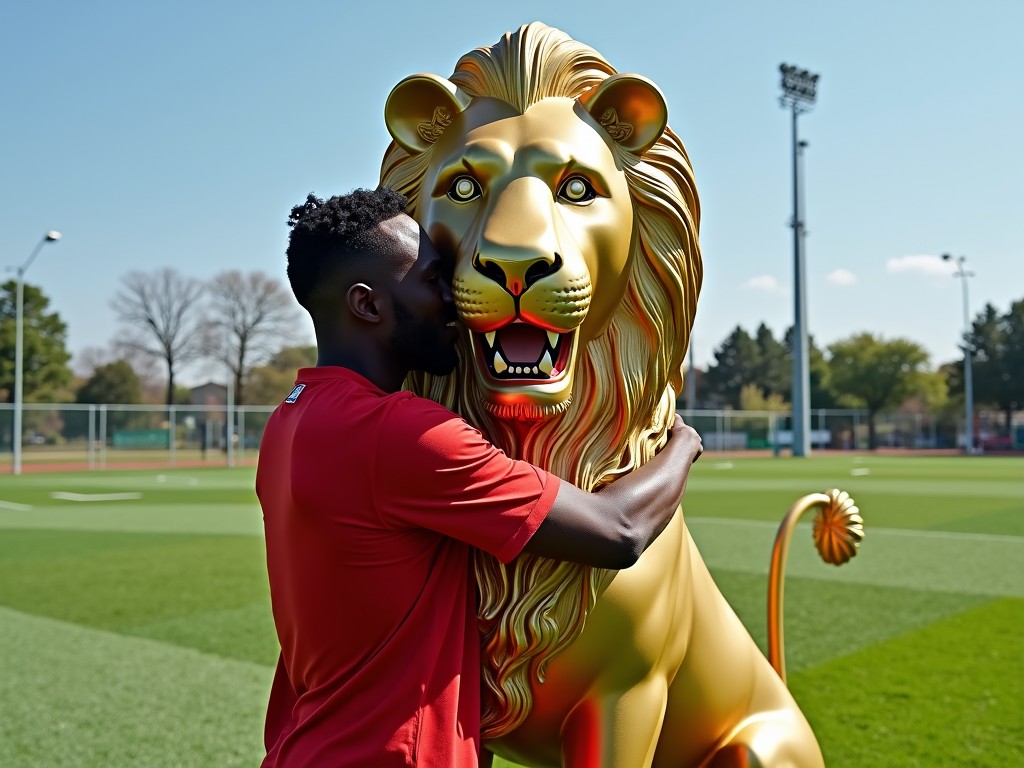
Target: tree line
866,371
246,323
166,321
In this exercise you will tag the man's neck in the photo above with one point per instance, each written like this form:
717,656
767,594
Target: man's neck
367,365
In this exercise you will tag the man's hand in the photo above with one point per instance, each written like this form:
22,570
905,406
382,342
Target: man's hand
681,431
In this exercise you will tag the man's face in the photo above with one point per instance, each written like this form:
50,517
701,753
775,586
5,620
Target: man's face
422,335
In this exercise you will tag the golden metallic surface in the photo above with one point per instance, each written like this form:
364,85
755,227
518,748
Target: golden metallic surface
570,212
435,100
838,528
838,531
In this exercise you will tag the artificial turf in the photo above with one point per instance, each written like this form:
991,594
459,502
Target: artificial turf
949,693
204,592
137,631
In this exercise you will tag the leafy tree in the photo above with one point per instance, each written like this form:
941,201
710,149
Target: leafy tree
773,371
759,429
818,373
160,312
252,315
270,384
872,373
44,353
110,383
822,395
1015,347
114,382
997,365
765,362
753,398
735,361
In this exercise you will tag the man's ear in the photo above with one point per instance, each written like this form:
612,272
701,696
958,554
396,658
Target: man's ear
362,303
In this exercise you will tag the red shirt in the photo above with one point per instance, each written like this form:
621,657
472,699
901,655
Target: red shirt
371,504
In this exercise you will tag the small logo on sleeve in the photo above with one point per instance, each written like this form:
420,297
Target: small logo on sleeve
295,393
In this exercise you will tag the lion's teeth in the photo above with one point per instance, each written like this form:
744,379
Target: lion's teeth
553,339
490,339
545,363
500,366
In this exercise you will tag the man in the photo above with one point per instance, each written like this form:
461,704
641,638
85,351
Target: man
373,499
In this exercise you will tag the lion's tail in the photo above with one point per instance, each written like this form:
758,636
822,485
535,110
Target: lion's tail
838,531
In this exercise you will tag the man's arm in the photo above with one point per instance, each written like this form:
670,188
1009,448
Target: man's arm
613,527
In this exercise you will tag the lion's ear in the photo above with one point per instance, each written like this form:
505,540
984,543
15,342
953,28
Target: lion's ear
420,108
630,108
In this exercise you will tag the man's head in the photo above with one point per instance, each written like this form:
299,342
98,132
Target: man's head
370,278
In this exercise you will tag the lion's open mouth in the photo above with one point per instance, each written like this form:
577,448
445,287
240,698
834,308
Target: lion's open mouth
520,351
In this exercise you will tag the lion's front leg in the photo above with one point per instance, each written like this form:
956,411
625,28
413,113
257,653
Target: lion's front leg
616,730
779,739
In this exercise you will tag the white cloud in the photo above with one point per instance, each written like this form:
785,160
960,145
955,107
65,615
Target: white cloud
921,265
841,277
765,283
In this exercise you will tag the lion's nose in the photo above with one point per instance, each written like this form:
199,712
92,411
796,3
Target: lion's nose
514,273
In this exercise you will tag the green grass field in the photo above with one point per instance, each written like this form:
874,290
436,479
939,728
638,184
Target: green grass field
135,627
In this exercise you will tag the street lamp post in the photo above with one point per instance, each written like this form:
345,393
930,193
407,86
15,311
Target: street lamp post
50,237
968,353
799,90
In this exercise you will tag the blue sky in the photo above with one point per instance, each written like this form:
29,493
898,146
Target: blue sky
180,134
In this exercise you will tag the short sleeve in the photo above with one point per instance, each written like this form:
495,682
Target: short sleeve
435,471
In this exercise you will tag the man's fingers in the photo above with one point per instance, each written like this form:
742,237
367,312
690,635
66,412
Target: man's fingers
680,427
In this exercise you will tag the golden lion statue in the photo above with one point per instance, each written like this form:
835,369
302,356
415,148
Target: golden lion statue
570,210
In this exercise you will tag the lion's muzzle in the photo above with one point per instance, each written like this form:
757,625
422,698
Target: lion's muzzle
515,274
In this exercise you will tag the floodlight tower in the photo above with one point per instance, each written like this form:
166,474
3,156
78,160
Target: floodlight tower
799,90
968,353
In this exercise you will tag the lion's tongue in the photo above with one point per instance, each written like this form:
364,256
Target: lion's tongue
522,343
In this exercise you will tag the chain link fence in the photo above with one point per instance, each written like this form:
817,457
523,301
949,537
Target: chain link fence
848,430
70,436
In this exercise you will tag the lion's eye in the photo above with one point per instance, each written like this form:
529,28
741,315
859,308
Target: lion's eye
464,189
577,189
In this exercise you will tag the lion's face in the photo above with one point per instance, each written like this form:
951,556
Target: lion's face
537,215
534,208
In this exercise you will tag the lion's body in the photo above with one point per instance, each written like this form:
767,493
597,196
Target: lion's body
663,674
577,270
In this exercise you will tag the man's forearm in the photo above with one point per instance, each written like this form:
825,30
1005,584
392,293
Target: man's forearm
613,527
649,496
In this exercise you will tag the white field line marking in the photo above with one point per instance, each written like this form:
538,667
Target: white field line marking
724,465
69,496
871,531
15,506
860,471
177,479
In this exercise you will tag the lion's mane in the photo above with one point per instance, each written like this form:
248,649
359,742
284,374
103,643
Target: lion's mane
625,382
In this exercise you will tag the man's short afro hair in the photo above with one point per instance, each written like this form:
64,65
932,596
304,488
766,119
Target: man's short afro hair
327,233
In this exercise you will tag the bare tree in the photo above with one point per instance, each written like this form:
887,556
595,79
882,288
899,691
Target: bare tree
252,316
160,311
